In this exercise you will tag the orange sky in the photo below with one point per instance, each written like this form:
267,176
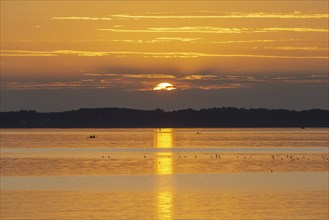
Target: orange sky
131,46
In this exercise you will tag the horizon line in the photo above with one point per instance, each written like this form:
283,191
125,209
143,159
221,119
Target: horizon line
167,111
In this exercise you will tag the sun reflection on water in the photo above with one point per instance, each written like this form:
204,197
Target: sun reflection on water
164,138
165,205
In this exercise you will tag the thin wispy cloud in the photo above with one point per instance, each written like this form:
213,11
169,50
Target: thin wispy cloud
246,41
178,30
200,77
48,85
178,39
201,15
215,30
227,86
202,40
83,18
130,41
294,29
135,76
217,15
158,40
298,48
5,53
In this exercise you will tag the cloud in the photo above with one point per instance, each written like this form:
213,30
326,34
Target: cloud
294,29
246,41
135,76
5,53
179,30
83,18
199,77
22,53
134,82
298,48
161,39
199,40
48,85
226,15
214,30
129,41
227,86
200,15
158,40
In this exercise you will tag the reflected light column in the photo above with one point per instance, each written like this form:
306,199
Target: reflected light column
163,138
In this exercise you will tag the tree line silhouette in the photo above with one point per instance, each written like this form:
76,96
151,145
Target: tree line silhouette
186,118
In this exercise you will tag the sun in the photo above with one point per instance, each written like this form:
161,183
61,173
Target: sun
164,86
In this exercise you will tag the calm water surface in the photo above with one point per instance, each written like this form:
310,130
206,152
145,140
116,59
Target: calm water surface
164,174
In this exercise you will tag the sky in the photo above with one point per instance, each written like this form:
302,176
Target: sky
64,55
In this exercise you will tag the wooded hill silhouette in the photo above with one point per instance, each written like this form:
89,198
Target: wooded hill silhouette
187,118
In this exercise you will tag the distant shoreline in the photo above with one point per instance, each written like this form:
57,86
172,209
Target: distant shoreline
225,117
123,128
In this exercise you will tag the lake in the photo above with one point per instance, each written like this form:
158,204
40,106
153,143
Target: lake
164,173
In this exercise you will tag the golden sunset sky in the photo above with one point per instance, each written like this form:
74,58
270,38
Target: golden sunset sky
58,55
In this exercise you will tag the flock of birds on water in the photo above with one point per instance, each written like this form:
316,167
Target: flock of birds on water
218,156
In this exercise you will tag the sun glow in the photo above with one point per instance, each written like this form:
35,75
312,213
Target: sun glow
164,86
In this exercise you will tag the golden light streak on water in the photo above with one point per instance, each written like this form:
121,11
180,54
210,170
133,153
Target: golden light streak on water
164,164
164,138
165,205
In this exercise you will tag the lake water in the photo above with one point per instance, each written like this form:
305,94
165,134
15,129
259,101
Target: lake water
164,173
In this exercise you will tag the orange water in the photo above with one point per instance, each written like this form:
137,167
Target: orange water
164,174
